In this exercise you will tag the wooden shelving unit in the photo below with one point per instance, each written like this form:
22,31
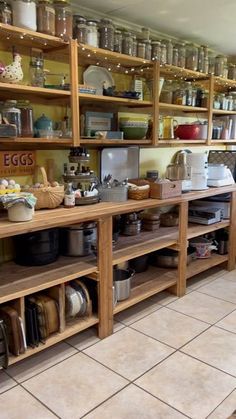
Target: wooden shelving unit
181,108
195,230
201,265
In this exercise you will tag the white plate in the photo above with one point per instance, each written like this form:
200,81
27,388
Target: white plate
95,76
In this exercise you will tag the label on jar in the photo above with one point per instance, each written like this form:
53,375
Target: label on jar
69,200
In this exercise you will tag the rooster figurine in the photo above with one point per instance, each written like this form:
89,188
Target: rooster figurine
12,73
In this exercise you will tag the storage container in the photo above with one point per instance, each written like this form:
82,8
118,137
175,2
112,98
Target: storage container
122,281
46,17
92,33
106,31
24,14
80,30
165,190
63,19
118,41
5,13
78,239
20,213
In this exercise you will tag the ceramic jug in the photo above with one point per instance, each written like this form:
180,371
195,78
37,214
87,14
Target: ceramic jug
169,125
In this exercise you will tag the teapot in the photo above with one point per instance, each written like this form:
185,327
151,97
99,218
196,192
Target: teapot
43,123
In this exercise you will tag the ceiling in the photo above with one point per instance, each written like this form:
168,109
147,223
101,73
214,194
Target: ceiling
211,22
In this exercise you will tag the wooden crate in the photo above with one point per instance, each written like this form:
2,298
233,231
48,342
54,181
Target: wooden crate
165,190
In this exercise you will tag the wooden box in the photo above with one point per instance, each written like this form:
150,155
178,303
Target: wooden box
165,190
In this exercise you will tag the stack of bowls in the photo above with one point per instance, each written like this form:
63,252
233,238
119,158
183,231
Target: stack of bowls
134,128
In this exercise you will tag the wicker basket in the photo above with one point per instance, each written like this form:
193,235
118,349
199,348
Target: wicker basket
47,196
139,193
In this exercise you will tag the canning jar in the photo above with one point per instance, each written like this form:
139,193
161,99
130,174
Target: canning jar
189,93
175,59
169,52
80,30
179,97
219,65
141,49
216,102
92,33
223,101
163,54
118,41
192,57
127,43
206,65
156,50
5,13
24,14
226,71
234,100
36,72
27,123
106,30
204,98
46,17
63,19
230,100
181,55
232,72
166,95
201,56
148,49
145,33
135,46
194,96
12,114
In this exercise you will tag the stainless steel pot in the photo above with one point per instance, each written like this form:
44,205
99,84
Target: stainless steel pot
78,239
168,258
122,282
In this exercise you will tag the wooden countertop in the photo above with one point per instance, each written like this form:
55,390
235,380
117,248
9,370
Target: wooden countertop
44,219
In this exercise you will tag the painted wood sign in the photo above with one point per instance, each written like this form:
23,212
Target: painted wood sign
17,163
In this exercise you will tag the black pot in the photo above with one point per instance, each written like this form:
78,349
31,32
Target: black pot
139,264
38,248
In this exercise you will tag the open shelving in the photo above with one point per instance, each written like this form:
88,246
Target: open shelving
195,230
200,265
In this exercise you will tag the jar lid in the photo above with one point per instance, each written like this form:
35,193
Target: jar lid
156,42
92,22
108,21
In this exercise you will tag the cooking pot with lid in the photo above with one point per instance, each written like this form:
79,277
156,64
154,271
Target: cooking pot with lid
78,239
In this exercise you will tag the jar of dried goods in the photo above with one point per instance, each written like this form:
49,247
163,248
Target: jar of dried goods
192,57
80,30
141,49
169,54
156,50
127,44
63,19
27,122
219,65
5,13
148,49
135,46
175,60
106,30
182,55
163,54
46,17
118,41
92,33
232,72
24,14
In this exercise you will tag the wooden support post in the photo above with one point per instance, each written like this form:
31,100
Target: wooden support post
105,303
155,100
210,109
74,83
232,233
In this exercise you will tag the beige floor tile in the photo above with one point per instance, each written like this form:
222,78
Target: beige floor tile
129,353
84,339
226,408
75,386
202,307
118,326
137,311
170,327
19,404
221,288
6,382
216,347
188,385
206,277
228,323
43,360
134,403
163,298
230,275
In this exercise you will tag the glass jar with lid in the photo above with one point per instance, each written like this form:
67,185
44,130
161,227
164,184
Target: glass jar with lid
179,96
27,123
163,54
232,72
226,71
204,98
233,94
36,71
118,41
127,43
189,93
12,113
201,56
175,60
63,19
46,17
223,101
156,50
24,14
219,65
5,13
148,49
216,102
141,49
169,52
182,55
135,46
192,57
106,31
166,95
80,30
92,33
230,101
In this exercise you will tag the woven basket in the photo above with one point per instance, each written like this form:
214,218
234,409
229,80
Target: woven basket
47,196
139,194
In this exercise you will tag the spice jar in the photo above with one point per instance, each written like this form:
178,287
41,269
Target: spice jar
135,46
141,49
127,44
12,114
5,13
118,41
106,30
46,17
24,14
27,123
163,54
156,50
169,52
148,49
92,33
219,65
80,30
175,60
192,57
182,55
63,19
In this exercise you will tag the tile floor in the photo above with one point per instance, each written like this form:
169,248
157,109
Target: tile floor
168,358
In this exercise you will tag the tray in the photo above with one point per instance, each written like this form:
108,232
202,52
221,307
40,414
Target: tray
87,200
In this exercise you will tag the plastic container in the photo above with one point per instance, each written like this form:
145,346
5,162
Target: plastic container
46,17
5,13
24,14
106,31
63,19
20,213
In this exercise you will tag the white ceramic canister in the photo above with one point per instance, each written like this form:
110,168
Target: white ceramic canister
20,212
24,14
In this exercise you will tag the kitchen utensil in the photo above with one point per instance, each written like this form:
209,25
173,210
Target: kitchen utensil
203,247
169,126
114,194
168,258
199,165
98,77
78,239
122,282
139,264
187,131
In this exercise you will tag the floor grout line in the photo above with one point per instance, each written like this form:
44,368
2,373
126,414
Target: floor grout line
220,403
43,404
146,315
217,298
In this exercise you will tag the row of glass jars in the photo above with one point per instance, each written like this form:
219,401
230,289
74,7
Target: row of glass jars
225,102
20,114
183,94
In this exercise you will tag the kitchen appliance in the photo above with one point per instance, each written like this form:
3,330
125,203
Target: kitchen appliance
180,170
78,239
187,131
222,205
122,281
199,165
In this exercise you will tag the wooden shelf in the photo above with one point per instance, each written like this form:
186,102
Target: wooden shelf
146,284
224,82
195,230
175,143
223,141
17,281
222,112
38,143
75,327
84,97
181,108
201,265
175,72
19,89
129,247
112,143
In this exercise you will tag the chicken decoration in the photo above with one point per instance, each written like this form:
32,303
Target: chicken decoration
12,73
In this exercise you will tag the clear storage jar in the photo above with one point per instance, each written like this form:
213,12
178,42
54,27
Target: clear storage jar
166,95
148,49
127,43
46,17
169,52
156,50
118,41
189,93
219,65
163,54
233,94
192,57
63,19
232,72
27,122
201,56
36,72
141,49
24,14
181,55
135,46
179,97
5,13
175,59
92,33
80,30
230,102
106,31
12,113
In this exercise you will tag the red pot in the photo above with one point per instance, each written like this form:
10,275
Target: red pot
187,132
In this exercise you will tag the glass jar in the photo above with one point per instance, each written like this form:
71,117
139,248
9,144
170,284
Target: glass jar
118,41
204,99
223,101
5,13
63,19
194,97
36,72
179,97
46,17
226,71
27,122
166,95
169,52
145,33
163,54
12,114
175,60
156,50
135,46
92,33
201,56
230,100
106,30
181,55
211,69
192,57
219,65
80,30
148,49
216,102
141,49
233,94
189,93
206,65
127,43
232,72
24,14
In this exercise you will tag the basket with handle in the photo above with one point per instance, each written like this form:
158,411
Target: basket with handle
47,196
141,191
